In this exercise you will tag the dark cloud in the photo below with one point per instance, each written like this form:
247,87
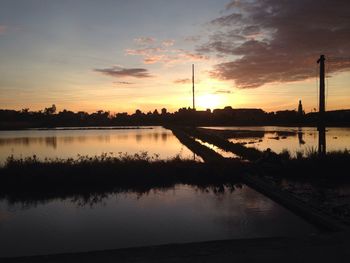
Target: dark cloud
125,72
228,20
278,40
182,81
123,82
185,81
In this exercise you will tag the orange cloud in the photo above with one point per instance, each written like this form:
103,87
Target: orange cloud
168,43
182,81
164,53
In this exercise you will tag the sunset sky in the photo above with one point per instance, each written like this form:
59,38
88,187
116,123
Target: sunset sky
120,55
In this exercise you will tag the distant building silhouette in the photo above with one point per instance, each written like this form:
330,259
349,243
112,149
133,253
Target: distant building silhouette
300,109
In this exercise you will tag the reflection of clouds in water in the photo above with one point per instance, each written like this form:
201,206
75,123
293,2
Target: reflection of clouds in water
69,143
28,141
152,136
52,141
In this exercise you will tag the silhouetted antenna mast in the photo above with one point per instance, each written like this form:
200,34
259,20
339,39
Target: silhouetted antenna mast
321,111
193,102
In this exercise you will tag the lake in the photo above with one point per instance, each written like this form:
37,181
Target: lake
293,139
71,142
156,140
128,219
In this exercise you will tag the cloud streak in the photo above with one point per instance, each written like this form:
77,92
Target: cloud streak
120,72
123,82
182,81
144,40
269,41
163,52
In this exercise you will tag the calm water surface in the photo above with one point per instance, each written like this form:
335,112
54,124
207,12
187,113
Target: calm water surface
69,143
177,215
157,140
299,139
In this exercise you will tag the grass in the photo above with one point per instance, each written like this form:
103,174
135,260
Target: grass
33,179
89,178
308,164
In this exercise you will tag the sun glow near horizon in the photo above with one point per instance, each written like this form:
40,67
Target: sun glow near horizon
210,101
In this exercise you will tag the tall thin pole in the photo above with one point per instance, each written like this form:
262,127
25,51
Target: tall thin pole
321,61
193,104
322,109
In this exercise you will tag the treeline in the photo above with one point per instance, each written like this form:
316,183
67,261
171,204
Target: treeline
49,117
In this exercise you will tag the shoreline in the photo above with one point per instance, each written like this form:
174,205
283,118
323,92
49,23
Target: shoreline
149,126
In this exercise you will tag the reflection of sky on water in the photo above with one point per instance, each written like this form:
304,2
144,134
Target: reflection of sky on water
178,215
69,143
218,150
300,139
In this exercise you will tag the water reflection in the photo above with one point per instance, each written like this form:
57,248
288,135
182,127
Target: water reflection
294,139
321,140
218,150
158,216
300,136
164,136
69,143
52,141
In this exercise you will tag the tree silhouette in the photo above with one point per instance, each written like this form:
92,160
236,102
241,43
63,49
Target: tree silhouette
51,110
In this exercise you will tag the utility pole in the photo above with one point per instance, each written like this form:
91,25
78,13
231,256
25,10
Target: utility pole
321,112
321,61
193,104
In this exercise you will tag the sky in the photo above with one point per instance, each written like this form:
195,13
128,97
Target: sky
119,55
